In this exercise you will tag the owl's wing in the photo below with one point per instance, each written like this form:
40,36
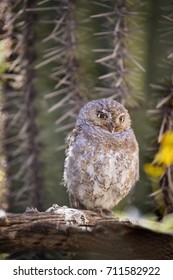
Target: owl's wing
72,136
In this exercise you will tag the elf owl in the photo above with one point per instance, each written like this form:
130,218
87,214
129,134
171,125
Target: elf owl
102,160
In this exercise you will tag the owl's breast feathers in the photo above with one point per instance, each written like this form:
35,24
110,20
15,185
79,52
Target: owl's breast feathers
100,167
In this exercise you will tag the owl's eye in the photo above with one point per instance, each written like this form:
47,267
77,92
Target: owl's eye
102,115
122,118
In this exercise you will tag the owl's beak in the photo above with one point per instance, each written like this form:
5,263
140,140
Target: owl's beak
111,126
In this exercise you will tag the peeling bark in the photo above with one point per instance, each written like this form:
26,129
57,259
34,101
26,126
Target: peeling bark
63,230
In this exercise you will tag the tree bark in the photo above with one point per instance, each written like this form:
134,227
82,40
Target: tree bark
67,230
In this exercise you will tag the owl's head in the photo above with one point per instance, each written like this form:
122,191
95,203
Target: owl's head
105,113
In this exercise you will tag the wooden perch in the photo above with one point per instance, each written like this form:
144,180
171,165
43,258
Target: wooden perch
63,229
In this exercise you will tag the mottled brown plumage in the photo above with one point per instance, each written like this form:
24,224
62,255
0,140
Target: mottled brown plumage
102,161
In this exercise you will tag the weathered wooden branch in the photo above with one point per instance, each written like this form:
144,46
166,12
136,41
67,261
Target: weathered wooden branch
63,229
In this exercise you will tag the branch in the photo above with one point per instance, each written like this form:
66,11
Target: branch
65,229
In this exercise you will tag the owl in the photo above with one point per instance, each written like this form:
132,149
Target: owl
102,158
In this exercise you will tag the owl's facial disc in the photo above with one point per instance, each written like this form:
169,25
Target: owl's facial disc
111,122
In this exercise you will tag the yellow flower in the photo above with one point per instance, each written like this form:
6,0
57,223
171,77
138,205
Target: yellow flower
154,170
167,139
163,158
165,155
